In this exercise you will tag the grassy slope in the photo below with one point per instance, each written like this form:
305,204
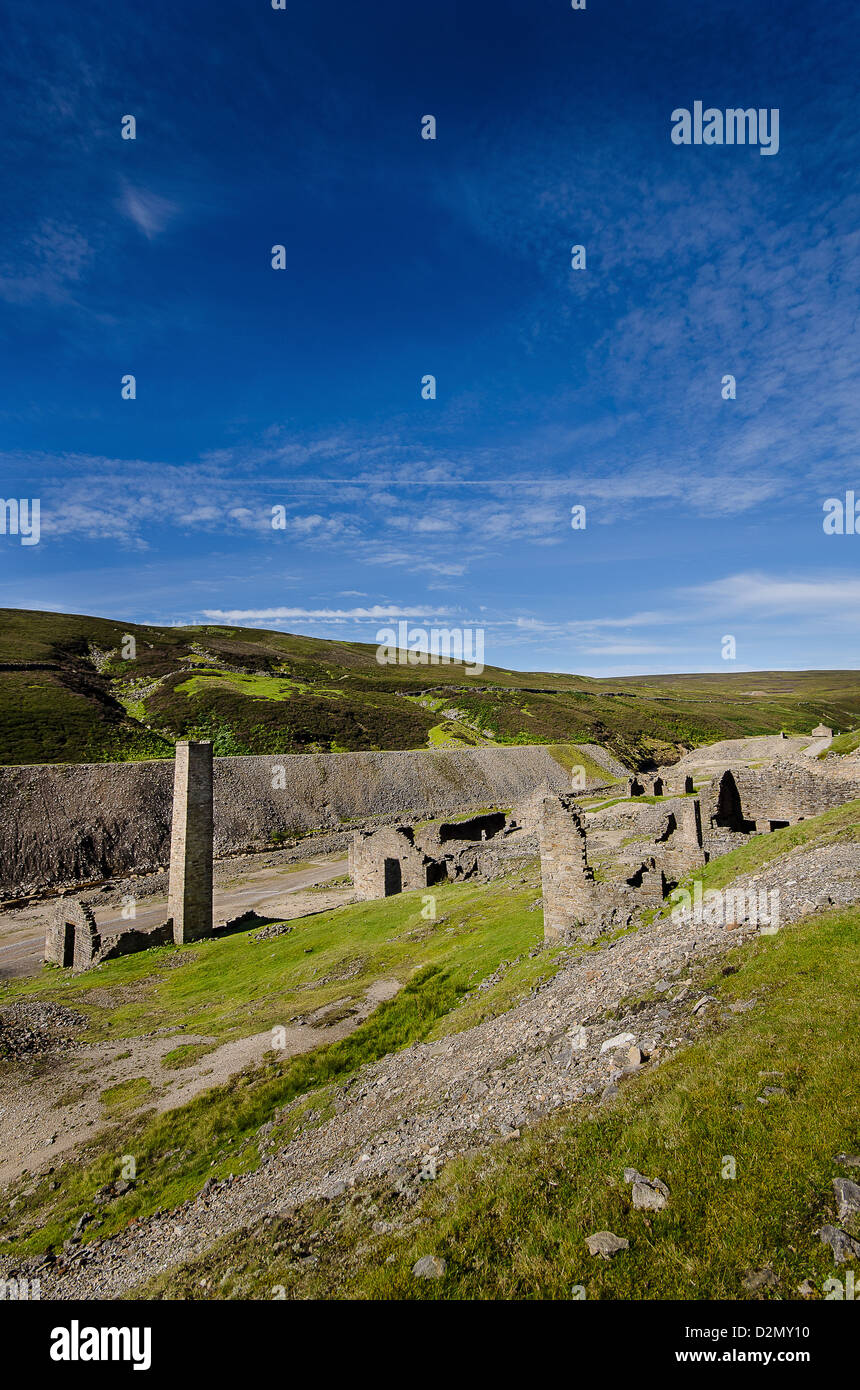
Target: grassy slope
511,1223
282,693
233,988
848,742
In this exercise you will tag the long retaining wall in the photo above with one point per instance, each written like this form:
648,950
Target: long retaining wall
72,823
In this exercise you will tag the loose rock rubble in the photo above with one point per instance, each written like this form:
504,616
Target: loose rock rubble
605,1244
31,1029
560,1046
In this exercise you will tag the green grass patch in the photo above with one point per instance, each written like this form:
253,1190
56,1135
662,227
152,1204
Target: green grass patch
255,687
231,987
452,733
185,1055
126,1095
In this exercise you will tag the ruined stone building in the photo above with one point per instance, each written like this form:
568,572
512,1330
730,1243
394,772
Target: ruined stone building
599,868
398,858
73,940
755,800
584,903
641,784
663,842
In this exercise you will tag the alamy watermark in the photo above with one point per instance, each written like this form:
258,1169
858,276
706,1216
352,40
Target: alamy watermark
727,907
734,126
421,646
21,517
841,518
20,1290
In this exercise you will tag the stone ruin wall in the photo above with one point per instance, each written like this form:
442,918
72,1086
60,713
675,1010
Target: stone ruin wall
784,791
644,784
576,902
74,824
402,858
73,940
372,850
683,833
569,893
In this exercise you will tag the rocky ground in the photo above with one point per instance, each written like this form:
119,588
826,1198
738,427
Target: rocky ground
34,1029
704,763
602,1018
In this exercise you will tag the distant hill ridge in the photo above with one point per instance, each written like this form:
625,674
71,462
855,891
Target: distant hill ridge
67,695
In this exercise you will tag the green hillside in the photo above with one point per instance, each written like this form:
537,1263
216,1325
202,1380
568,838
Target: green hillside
67,694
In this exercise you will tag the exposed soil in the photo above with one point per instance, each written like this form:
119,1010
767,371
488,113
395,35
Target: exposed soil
50,1099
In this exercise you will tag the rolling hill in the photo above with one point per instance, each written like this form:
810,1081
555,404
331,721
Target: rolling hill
68,694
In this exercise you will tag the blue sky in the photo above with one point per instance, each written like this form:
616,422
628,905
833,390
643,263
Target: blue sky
555,387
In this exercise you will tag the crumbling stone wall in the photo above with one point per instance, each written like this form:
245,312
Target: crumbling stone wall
396,859
679,846
482,827
673,785
761,799
569,892
657,785
528,812
579,903
388,861
71,937
84,823
73,940
128,943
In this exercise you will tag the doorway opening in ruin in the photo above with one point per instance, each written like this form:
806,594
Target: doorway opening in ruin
68,945
779,824
393,877
729,811
436,872
671,827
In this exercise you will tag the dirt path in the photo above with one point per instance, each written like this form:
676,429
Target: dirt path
263,888
49,1107
813,749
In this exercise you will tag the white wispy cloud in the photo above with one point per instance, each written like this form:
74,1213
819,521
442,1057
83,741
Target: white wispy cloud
764,594
147,210
374,613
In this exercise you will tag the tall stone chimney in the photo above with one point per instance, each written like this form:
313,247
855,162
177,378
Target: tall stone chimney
190,892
